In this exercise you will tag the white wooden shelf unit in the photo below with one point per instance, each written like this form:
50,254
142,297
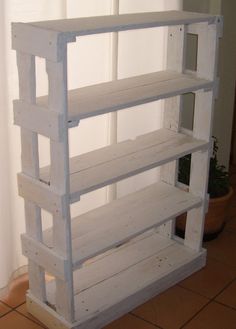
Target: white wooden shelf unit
113,258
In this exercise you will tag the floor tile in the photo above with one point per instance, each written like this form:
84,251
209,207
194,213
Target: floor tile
171,309
228,296
214,316
22,310
14,320
211,279
130,321
223,248
17,292
4,309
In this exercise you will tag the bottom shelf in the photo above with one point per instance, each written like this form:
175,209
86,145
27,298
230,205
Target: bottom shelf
116,282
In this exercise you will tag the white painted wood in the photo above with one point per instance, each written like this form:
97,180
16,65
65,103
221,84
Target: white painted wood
119,94
59,181
110,164
47,315
138,263
30,166
113,23
117,222
41,194
208,39
176,51
45,39
38,120
43,256
156,266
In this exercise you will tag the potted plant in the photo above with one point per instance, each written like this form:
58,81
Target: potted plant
219,190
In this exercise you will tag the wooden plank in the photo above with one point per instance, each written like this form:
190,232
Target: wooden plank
30,166
45,39
119,94
39,42
176,51
45,314
114,23
163,265
41,194
208,39
59,181
115,223
38,119
43,256
112,163
102,174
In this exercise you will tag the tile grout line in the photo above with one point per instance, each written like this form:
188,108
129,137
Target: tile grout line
192,317
149,322
210,301
25,316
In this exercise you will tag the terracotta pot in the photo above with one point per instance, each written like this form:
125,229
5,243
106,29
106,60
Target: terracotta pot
215,218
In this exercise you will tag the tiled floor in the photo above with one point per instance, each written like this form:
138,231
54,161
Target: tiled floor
206,300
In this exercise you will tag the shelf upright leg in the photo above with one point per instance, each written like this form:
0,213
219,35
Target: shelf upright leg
30,167
208,37
172,108
59,181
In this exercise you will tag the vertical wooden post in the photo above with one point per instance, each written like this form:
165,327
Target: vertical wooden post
172,108
208,36
59,180
30,166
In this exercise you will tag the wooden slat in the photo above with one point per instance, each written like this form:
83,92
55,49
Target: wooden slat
116,95
138,271
41,194
113,23
176,51
59,181
30,166
38,120
43,256
208,41
98,168
123,219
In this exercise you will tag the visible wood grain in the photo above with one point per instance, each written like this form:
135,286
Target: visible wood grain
38,120
30,166
120,94
41,194
208,39
164,266
45,39
59,181
113,23
115,223
43,256
118,162
176,52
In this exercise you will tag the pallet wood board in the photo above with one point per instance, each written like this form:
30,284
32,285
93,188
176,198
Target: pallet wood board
115,95
154,261
117,222
112,163
113,23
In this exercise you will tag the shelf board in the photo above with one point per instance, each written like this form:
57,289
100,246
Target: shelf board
112,163
112,23
120,94
115,223
115,283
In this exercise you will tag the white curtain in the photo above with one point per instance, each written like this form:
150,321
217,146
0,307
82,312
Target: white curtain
89,63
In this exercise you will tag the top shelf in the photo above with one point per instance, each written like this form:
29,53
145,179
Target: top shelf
45,39
114,23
